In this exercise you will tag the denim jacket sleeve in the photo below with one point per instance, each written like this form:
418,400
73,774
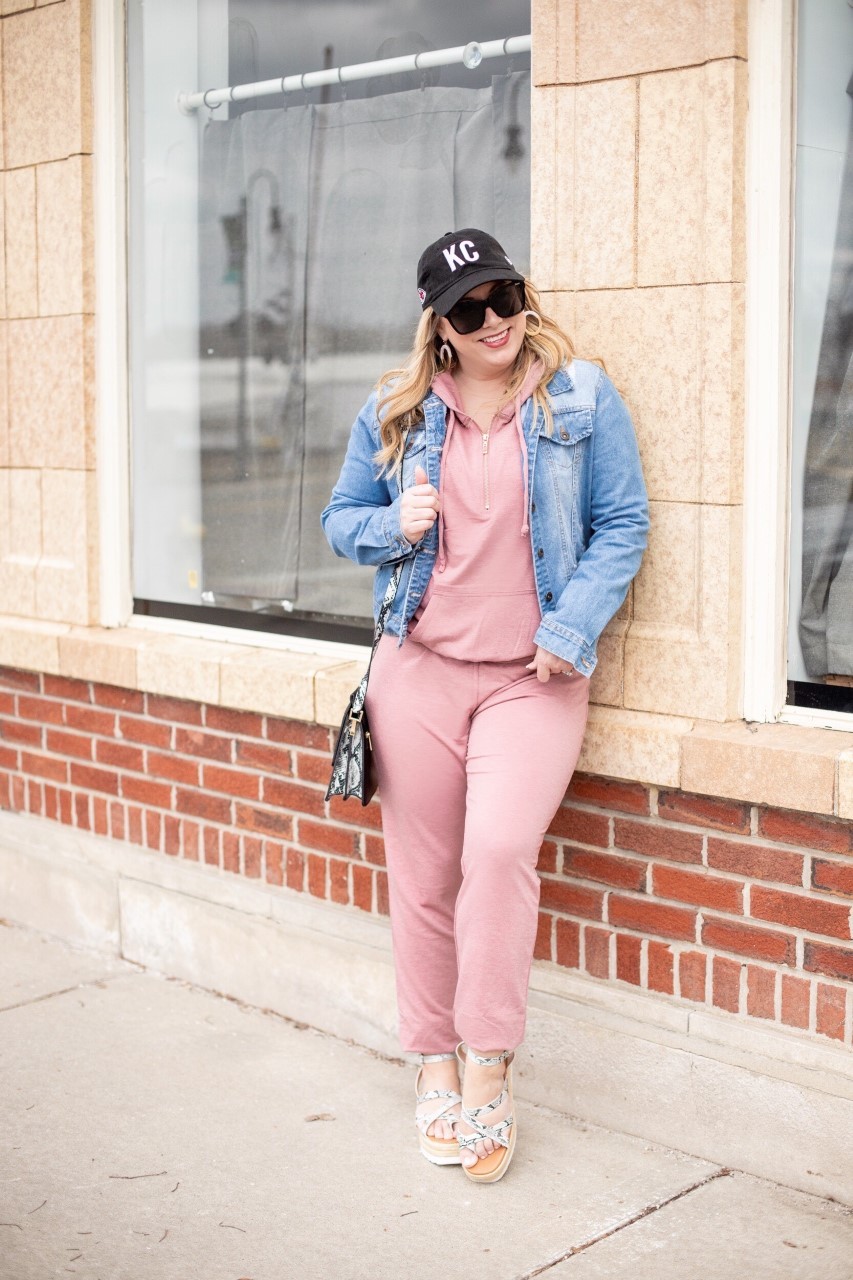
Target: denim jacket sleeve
619,522
362,519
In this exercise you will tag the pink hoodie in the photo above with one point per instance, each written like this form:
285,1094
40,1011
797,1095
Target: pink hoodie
480,604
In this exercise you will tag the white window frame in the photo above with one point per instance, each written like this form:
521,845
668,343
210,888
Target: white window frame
769,313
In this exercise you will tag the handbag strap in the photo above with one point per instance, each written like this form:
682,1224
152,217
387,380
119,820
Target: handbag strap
384,609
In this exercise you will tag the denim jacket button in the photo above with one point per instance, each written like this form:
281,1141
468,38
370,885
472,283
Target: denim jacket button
549,595
564,435
540,553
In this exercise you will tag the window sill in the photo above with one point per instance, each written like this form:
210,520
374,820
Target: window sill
789,766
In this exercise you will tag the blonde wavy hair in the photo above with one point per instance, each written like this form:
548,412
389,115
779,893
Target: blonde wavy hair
402,391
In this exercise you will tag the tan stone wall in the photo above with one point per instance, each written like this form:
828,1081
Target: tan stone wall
48,517
639,110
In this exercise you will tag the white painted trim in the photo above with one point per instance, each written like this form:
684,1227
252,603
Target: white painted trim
257,639
112,415
810,718
769,173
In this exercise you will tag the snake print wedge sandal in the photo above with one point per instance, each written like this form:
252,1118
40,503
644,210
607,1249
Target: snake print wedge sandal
493,1166
437,1150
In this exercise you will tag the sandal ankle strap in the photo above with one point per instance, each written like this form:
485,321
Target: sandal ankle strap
488,1062
435,1057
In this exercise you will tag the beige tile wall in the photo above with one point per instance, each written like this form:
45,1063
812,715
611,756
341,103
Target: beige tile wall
639,110
48,520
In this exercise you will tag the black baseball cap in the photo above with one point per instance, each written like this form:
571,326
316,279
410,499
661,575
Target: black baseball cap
458,262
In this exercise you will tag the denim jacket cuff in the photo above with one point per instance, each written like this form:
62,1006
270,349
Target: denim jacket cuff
397,543
567,645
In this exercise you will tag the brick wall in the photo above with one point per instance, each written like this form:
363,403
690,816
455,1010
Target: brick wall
740,907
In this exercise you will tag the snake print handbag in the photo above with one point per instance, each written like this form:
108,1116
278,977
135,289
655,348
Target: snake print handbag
353,769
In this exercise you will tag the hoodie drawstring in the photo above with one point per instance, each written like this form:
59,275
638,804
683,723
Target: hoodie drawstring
525,527
442,559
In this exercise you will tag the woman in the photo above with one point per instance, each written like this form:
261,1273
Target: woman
506,476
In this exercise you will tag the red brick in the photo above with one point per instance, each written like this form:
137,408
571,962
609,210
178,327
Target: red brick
190,839
5,790
112,695
99,815
322,835
610,868
726,983
81,811
568,943
134,824
19,794
831,1007
374,850
35,796
357,815
383,906
202,805
90,720
295,869
795,1001
628,949
247,724
298,734
800,911
66,805
117,823
317,875
120,754
181,709
152,830
231,851
14,731
362,887
652,917
268,822
273,858
543,946
51,801
547,860
657,841
835,962
178,768
171,835
147,791
581,826
64,687
758,861
313,768
44,766
660,967
808,830
836,877
698,887
12,678
261,755
153,733
210,844
744,939
252,849
574,899
760,991
691,975
597,951
7,703
704,811
40,709
629,797
231,782
68,744
195,742
338,880
292,795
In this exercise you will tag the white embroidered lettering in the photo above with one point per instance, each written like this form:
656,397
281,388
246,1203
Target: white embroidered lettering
469,253
453,259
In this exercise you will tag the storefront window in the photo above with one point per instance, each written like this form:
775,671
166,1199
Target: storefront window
820,639
273,249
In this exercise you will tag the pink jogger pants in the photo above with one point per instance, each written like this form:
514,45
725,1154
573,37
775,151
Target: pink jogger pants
473,759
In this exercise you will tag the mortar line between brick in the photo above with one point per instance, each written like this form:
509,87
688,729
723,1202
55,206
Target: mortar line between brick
628,1222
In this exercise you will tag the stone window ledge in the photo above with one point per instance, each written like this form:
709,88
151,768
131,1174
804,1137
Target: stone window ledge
783,765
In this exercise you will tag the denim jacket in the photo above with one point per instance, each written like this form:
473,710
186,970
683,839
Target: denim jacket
588,510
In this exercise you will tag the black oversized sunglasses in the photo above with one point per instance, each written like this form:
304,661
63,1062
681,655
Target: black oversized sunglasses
469,314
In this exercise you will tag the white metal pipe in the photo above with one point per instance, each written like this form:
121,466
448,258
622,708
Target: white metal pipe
470,54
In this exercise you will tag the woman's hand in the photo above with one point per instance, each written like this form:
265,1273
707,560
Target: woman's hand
547,664
419,507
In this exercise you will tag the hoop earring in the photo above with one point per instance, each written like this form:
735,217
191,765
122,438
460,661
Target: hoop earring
445,353
536,316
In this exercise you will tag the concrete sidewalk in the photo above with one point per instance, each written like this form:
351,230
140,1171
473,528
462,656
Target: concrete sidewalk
152,1130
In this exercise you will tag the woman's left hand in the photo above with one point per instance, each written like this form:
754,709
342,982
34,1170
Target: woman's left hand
547,664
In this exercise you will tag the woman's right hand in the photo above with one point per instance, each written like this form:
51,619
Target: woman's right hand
419,507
